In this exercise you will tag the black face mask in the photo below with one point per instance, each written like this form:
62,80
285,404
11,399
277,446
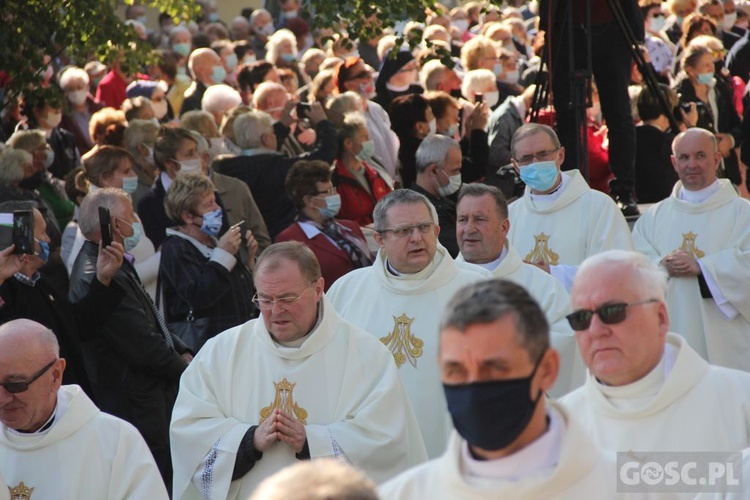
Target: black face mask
456,93
491,415
33,182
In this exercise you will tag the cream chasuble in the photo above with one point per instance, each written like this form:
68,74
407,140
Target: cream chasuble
85,454
580,223
340,383
693,407
582,472
555,302
404,313
717,233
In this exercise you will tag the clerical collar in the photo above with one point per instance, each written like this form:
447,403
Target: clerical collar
701,195
540,455
298,343
43,429
554,195
26,280
637,394
491,266
423,274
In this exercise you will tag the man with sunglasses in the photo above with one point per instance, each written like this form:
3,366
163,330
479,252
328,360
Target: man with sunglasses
647,390
701,236
296,384
559,221
399,298
509,440
53,440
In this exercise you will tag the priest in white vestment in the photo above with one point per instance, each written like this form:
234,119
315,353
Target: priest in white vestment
701,236
559,221
54,442
481,231
510,442
647,390
400,298
300,383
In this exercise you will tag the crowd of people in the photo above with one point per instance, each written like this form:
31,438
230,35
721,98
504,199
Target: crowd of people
278,243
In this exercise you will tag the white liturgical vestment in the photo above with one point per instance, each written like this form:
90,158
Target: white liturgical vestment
340,383
581,471
555,302
84,454
579,222
717,233
683,404
404,313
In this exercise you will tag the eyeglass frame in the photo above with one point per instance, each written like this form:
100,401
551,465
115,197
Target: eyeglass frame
24,385
540,155
283,302
397,231
598,312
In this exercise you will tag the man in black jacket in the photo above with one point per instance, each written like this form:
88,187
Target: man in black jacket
134,363
264,169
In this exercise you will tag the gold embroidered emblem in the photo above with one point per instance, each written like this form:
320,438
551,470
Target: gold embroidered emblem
402,343
285,402
20,492
542,251
688,245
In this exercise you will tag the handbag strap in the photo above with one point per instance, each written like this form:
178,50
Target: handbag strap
190,317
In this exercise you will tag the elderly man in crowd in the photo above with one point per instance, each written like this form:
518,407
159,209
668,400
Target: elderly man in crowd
54,442
206,69
559,221
647,390
320,388
510,442
396,300
701,236
482,231
438,162
135,362
272,98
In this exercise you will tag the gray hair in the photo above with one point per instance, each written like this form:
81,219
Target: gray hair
260,96
201,142
219,98
650,279
257,12
199,121
12,162
272,45
88,217
138,132
399,197
488,301
476,79
72,73
432,74
530,129
249,128
479,190
433,150
28,140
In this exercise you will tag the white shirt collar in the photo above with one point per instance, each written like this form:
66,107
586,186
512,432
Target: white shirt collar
491,266
701,195
166,181
554,195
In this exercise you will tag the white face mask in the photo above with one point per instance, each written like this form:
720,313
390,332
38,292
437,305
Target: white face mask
454,184
53,119
77,97
729,20
160,108
511,76
193,165
150,155
461,25
231,62
491,98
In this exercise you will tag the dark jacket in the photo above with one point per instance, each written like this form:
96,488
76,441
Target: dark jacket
67,158
407,158
72,323
654,174
264,174
446,212
68,123
193,97
133,371
189,278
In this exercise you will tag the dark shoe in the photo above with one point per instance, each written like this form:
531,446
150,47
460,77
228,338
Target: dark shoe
628,208
624,199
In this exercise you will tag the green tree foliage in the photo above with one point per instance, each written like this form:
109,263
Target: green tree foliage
75,29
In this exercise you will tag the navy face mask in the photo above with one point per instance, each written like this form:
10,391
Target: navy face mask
491,415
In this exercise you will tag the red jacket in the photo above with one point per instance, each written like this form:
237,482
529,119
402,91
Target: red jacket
356,203
334,262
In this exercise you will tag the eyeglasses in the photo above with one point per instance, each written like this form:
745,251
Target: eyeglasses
265,304
541,155
404,231
610,314
18,387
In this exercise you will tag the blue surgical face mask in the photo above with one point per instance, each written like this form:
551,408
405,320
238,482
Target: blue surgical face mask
182,48
131,242
333,205
451,130
368,149
44,246
289,58
540,175
218,74
130,184
706,78
212,222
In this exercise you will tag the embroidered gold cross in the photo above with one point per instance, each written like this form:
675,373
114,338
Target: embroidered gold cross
283,400
688,245
402,343
542,252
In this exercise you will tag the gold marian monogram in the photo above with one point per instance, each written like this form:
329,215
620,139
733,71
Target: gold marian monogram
688,245
542,251
402,343
285,402
20,492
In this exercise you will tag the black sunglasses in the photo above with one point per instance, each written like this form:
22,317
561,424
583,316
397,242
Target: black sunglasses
610,314
16,387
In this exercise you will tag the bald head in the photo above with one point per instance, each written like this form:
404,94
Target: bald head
22,335
201,65
696,158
